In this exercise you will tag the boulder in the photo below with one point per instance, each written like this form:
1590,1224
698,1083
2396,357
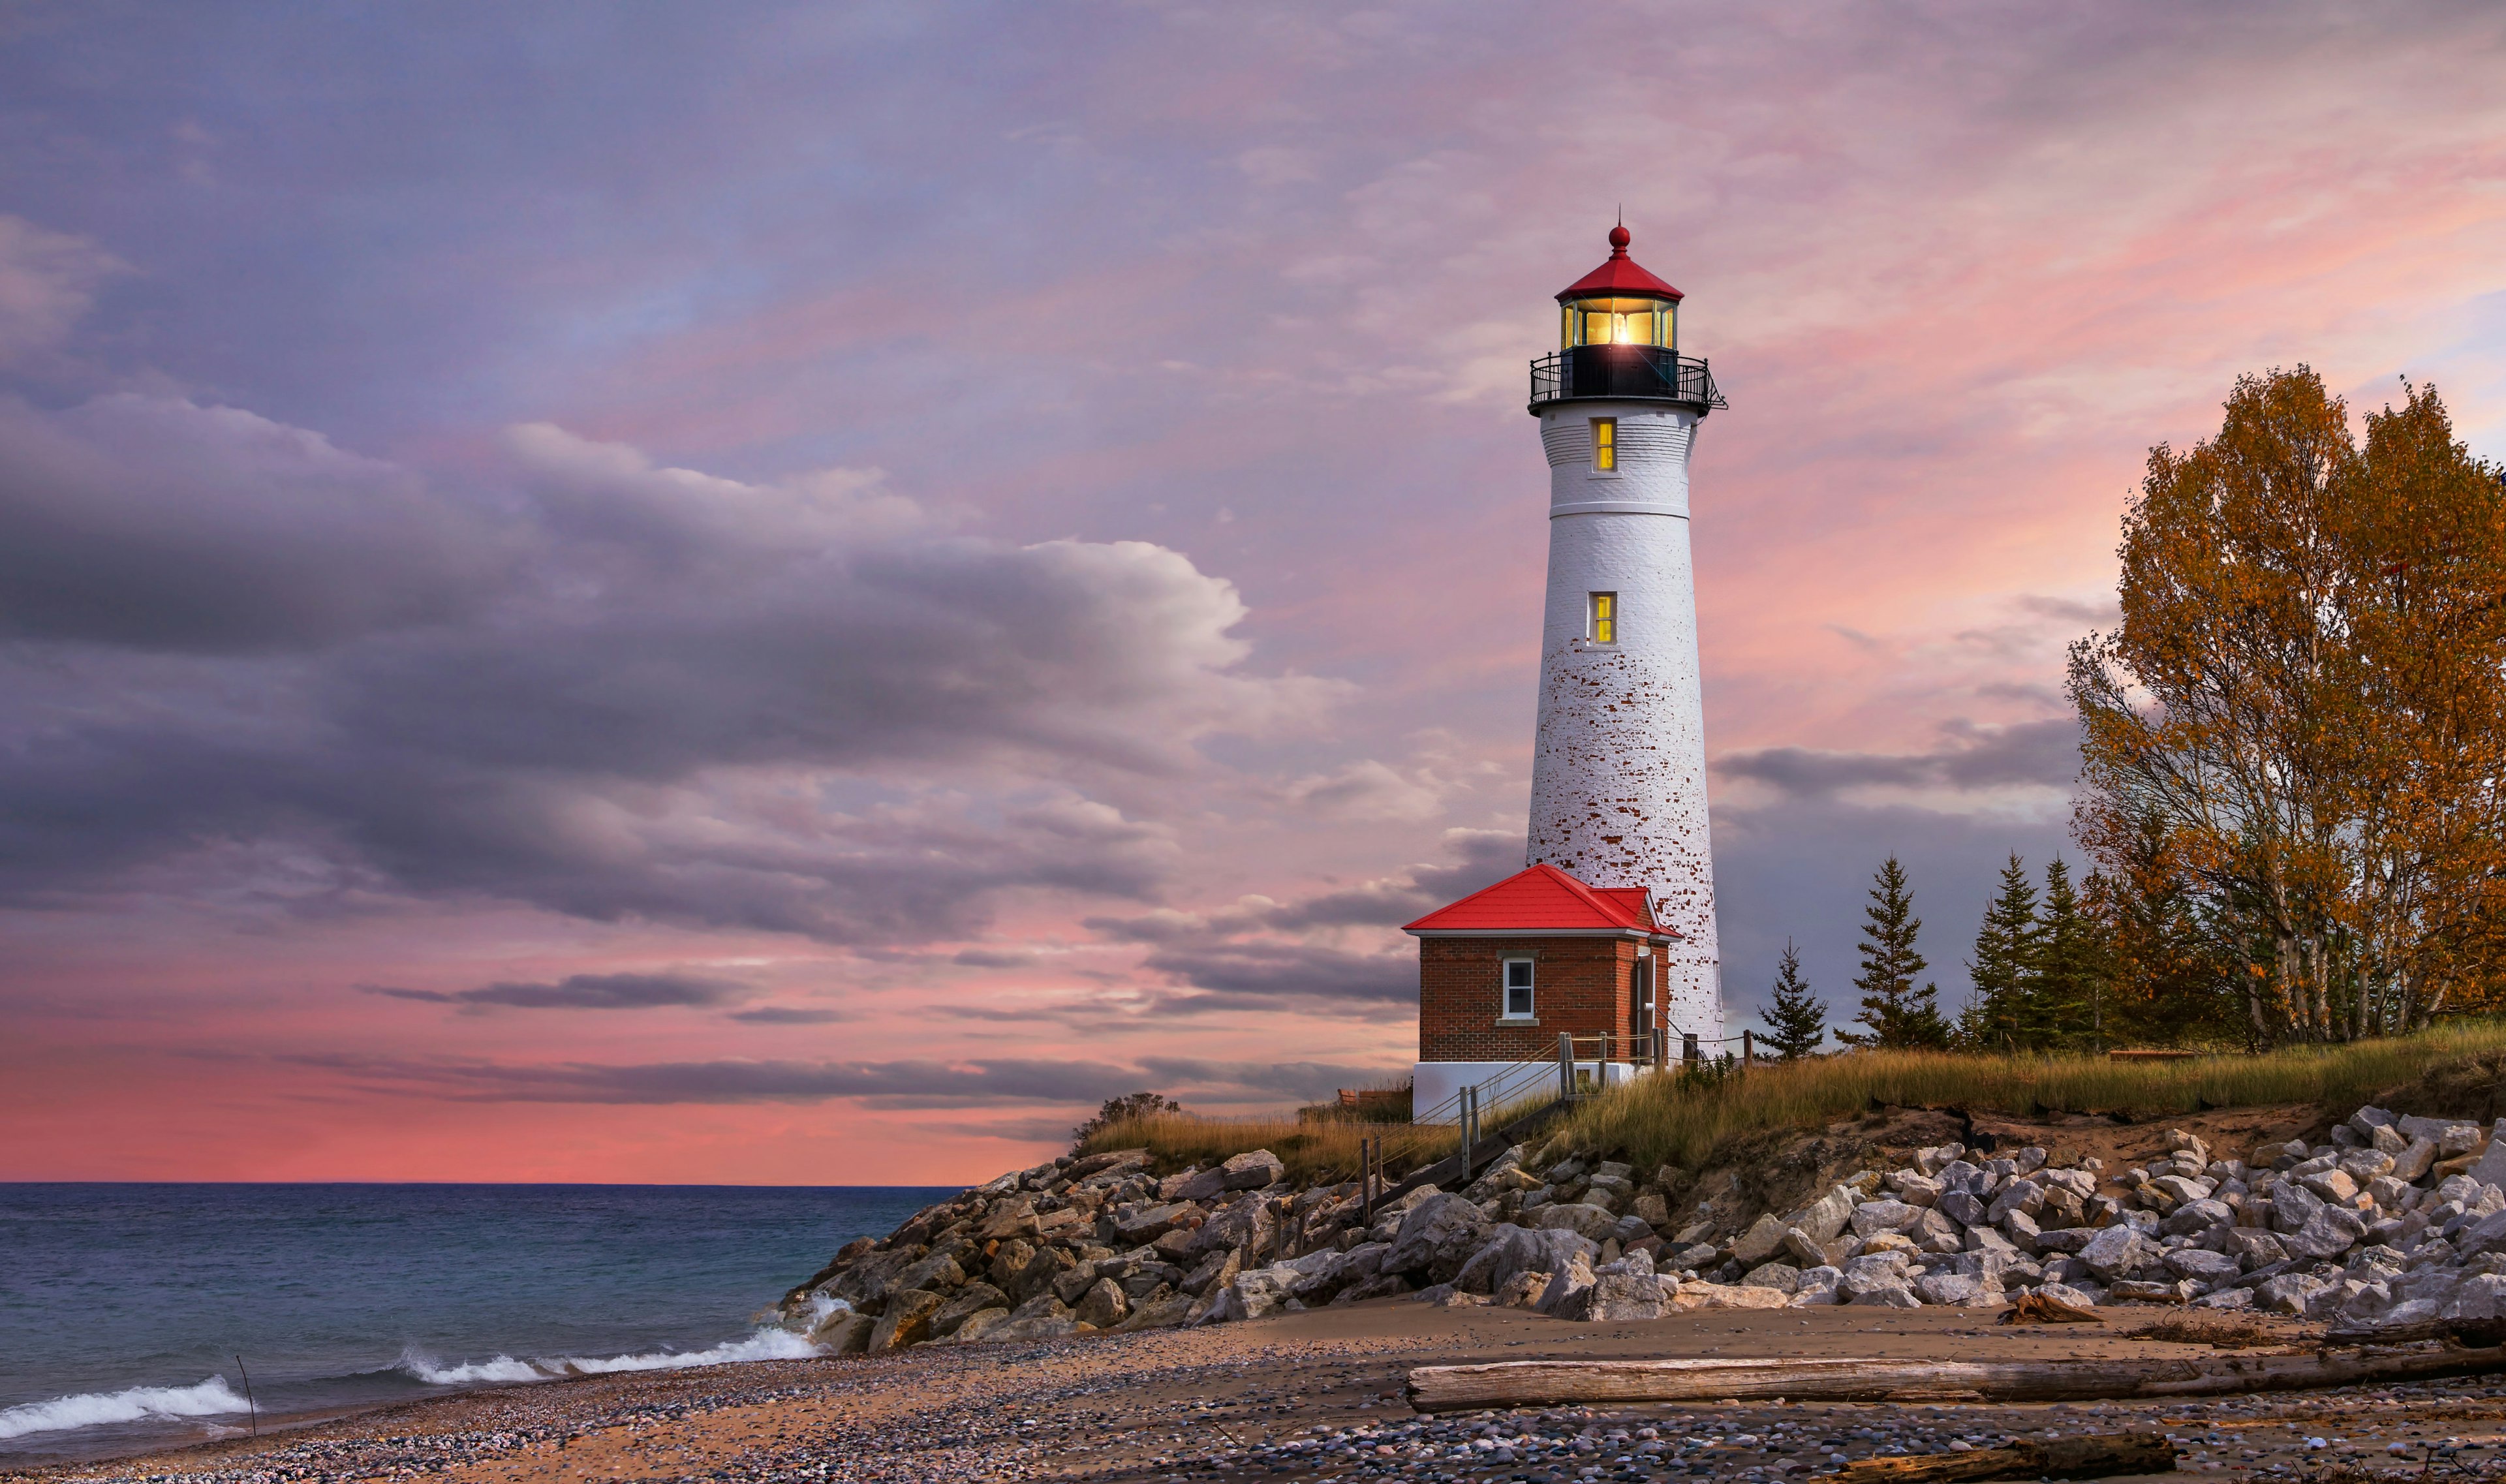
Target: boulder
1111,1162
2486,1235
1437,1237
1252,1295
1244,1224
1215,1271
867,1283
1144,1224
1158,1314
1012,1217
977,1325
2330,1232
1380,1285
1104,1305
1773,1275
1256,1169
1623,1296
2022,1230
2489,1169
2479,1297
1566,1286
2113,1252
976,1298
1522,1290
2289,1293
906,1321
1956,1288
2202,1266
1762,1241
1589,1222
2293,1206
2065,1293
937,1272
1512,1250
845,1332
1962,1206
1824,1218
1871,1217
2196,1217
1708,1295
1009,1260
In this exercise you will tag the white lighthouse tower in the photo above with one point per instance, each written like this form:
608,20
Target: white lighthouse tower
1618,781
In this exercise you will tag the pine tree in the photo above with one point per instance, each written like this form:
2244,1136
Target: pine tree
1798,1020
2070,963
1897,1014
1999,1015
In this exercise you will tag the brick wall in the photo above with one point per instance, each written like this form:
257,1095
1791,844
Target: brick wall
1580,986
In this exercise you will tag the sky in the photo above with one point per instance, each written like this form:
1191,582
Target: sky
798,595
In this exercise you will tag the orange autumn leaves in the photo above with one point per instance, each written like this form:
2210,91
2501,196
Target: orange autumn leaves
2294,745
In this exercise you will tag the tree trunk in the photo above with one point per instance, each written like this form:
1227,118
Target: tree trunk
1546,1383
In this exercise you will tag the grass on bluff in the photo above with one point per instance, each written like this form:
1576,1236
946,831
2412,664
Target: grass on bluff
1679,1119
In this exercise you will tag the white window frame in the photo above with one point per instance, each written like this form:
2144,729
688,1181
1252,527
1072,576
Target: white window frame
1505,1012
1593,619
1612,472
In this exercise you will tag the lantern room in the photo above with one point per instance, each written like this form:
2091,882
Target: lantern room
1619,304
1618,338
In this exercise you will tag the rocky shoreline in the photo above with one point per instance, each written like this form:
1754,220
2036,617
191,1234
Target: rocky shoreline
2394,1221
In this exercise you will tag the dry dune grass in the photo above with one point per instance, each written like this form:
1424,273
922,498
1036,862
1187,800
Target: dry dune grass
1314,1152
1679,1119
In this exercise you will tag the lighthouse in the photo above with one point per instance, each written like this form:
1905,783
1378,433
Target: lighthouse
1605,945
1617,775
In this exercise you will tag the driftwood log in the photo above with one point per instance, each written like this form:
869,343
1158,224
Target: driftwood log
1542,1383
2060,1458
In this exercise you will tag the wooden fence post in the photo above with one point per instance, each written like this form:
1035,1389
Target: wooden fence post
1749,1049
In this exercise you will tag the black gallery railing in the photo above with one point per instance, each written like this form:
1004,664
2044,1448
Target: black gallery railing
1648,373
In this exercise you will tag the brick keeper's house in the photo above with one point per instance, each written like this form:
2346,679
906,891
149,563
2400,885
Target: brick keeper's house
1503,972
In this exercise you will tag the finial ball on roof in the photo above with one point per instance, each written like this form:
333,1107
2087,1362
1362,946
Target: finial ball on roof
1620,238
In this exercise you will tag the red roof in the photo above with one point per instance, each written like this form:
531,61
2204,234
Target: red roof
1545,899
1619,277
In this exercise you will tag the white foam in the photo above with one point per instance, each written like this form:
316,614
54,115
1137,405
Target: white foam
141,1403
764,1345
767,1343
470,1372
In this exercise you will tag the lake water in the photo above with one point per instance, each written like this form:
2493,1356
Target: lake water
122,1307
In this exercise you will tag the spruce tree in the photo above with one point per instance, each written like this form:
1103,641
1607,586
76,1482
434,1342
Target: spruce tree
1797,1021
1897,1014
2001,1015
2070,964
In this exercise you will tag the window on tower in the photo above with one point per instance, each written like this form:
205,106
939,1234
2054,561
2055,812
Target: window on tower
1606,443
1603,625
1518,990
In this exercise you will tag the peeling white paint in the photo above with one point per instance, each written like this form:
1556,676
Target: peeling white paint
1617,781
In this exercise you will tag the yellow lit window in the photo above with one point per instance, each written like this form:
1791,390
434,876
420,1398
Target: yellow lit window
1597,329
1605,618
1640,329
1606,443
1567,326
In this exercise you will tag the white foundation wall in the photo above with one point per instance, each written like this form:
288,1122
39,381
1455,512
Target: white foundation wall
1618,782
1434,1084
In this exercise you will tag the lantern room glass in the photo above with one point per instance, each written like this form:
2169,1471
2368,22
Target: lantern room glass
1619,322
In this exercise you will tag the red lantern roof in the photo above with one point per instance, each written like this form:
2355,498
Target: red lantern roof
1619,277
1544,899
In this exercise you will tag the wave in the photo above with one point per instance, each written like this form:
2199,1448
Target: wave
765,1344
141,1403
